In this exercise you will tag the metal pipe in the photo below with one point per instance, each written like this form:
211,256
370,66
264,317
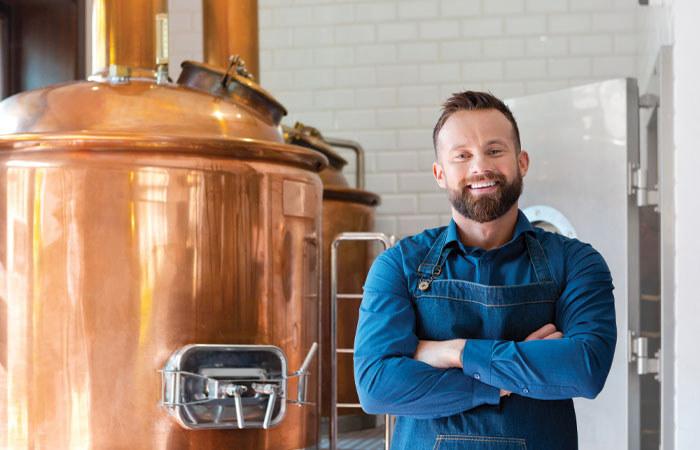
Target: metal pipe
359,155
309,357
333,425
231,27
389,421
124,33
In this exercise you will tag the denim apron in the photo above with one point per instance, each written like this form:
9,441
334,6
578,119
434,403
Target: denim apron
451,309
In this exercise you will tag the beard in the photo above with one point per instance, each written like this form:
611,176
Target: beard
487,207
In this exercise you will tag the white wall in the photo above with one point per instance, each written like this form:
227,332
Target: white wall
186,39
687,137
377,72
654,29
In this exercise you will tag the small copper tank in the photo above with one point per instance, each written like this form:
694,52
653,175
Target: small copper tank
345,209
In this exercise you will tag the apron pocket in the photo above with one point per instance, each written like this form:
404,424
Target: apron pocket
470,442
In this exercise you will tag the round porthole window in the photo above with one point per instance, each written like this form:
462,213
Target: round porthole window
550,219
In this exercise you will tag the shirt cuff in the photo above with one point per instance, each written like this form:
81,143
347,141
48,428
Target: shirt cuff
485,394
476,359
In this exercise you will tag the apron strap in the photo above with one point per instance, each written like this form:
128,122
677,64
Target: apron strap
433,261
538,259
431,266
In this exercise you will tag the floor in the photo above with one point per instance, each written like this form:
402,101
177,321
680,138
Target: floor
369,439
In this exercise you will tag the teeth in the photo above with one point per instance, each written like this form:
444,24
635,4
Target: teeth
483,185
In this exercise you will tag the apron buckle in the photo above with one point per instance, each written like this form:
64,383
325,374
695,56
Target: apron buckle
424,285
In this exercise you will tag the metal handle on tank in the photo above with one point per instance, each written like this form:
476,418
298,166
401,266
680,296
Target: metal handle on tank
201,381
235,391
359,155
303,375
271,390
236,67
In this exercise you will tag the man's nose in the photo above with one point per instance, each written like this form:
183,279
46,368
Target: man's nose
481,165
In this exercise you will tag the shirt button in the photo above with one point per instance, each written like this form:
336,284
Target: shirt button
525,390
477,376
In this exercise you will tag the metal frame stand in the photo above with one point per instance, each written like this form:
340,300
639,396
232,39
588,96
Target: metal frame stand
335,296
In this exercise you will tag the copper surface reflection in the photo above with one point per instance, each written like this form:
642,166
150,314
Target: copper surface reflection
139,108
120,29
345,209
115,259
140,216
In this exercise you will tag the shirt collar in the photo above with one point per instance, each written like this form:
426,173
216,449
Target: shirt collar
522,225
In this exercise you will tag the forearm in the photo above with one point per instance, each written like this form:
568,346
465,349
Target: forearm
558,375
544,369
388,379
402,386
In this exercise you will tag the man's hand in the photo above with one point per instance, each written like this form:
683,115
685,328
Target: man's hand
548,331
448,354
440,354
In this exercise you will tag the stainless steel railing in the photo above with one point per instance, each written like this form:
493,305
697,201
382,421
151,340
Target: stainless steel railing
386,241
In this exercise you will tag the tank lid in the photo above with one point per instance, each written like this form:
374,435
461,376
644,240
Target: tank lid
310,137
235,83
136,105
348,194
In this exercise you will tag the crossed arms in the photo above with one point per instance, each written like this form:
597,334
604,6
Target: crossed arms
448,354
396,373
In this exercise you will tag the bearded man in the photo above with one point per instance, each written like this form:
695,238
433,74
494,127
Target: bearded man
479,334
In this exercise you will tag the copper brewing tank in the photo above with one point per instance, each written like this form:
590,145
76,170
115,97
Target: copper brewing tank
345,209
140,216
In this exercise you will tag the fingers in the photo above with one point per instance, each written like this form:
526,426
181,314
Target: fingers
542,332
557,335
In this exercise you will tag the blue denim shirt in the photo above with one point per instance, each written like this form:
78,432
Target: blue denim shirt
393,317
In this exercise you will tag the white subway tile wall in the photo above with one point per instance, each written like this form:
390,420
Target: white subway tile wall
185,29
377,72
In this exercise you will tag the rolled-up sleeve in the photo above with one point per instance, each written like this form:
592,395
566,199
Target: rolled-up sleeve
576,365
388,379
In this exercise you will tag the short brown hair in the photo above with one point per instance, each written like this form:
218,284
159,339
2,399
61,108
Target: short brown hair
473,101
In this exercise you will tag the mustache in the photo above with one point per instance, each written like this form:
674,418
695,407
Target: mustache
499,177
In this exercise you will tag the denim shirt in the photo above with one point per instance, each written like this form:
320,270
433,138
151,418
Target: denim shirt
493,299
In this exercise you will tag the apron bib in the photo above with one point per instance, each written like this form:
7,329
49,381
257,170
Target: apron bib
452,309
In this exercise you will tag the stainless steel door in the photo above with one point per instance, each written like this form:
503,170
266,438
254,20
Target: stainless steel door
581,142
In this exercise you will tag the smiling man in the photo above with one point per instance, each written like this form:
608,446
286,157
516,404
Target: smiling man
478,335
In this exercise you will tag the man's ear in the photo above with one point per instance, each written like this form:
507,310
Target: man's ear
439,175
523,162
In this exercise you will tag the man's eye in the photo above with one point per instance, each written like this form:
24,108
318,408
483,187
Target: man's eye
494,151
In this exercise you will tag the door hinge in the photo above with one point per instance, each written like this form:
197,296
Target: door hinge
637,185
638,352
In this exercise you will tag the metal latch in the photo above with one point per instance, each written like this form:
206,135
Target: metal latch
637,185
236,67
638,351
230,386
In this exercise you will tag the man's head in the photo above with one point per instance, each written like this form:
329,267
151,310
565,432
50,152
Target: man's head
474,101
479,162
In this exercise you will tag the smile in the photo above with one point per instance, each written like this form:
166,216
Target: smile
482,185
